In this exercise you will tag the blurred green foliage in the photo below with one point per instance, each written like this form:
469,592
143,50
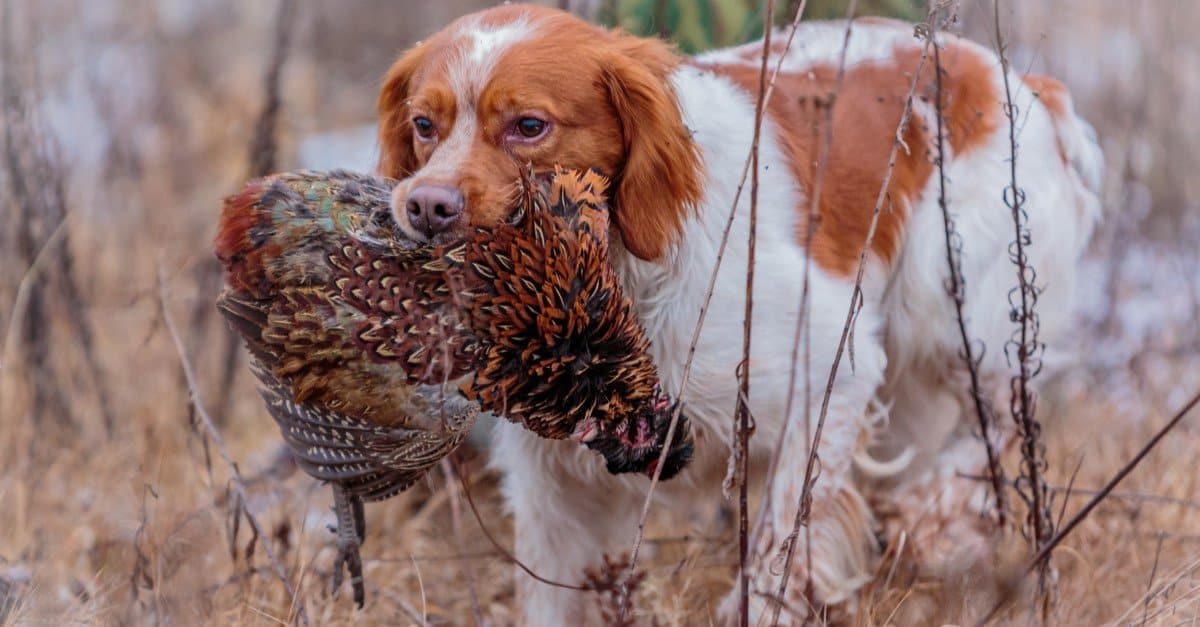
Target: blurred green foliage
698,25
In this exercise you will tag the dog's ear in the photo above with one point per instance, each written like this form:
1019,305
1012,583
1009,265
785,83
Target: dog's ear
660,181
396,156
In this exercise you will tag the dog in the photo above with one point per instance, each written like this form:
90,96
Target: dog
514,86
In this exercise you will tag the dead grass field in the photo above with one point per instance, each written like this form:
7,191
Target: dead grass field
143,110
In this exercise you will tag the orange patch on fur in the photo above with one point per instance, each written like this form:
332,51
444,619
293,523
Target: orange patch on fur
866,113
1054,96
1050,91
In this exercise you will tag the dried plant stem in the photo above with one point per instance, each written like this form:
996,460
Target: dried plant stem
956,288
1043,554
805,501
742,413
1022,405
21,302
687,365
712,281
803,319
504,552
452,487
219,442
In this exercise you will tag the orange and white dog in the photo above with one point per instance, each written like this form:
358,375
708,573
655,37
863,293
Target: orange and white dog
462,111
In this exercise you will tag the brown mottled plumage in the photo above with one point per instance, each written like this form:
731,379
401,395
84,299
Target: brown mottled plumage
315,285
561,350
362,340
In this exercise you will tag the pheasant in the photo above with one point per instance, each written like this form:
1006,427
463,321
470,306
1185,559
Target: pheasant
375,353
293,247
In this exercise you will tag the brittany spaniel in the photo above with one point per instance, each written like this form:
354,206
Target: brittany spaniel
462,111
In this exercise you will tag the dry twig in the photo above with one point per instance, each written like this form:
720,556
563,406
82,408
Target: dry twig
957,289
1043,554
504,552
1023,299
219,442
712,281
742,416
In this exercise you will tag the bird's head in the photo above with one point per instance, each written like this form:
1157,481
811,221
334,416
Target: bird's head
635,444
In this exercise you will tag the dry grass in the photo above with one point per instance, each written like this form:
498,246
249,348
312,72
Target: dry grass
151,107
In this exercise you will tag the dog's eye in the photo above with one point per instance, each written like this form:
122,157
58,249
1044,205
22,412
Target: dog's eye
531,127
424,127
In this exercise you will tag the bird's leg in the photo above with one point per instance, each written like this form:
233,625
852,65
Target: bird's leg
351,529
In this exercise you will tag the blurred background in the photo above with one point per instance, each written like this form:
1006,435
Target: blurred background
126,121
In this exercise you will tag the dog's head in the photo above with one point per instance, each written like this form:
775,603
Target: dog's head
517,85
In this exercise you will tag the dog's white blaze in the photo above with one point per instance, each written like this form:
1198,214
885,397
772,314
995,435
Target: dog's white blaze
469,73
484,45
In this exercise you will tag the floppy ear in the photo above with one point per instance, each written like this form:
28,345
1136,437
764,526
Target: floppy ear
660,181
396,157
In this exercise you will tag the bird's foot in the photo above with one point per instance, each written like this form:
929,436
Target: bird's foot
350,527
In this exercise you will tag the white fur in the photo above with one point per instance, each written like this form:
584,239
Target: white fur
568,511
469,73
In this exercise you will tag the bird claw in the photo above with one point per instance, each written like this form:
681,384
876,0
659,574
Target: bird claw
350,528
348,557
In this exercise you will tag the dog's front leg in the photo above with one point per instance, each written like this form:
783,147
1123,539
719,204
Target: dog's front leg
834,552
567,513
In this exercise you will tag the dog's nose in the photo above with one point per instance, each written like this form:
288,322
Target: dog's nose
433,209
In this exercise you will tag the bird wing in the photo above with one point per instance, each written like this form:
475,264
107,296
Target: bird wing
368,460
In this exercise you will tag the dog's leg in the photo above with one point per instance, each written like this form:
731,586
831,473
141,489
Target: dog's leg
945,504
834,554
567,513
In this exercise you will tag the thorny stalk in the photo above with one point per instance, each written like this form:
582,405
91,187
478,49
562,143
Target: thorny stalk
1037,562
742,413
927,32
219,442
956,288
1024,343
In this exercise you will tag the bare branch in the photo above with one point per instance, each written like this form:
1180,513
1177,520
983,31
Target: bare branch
1023,299
215,435
1036,563
956,288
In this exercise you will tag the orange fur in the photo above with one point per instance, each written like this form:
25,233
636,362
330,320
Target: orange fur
865,116
396,156
611,109
660,179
